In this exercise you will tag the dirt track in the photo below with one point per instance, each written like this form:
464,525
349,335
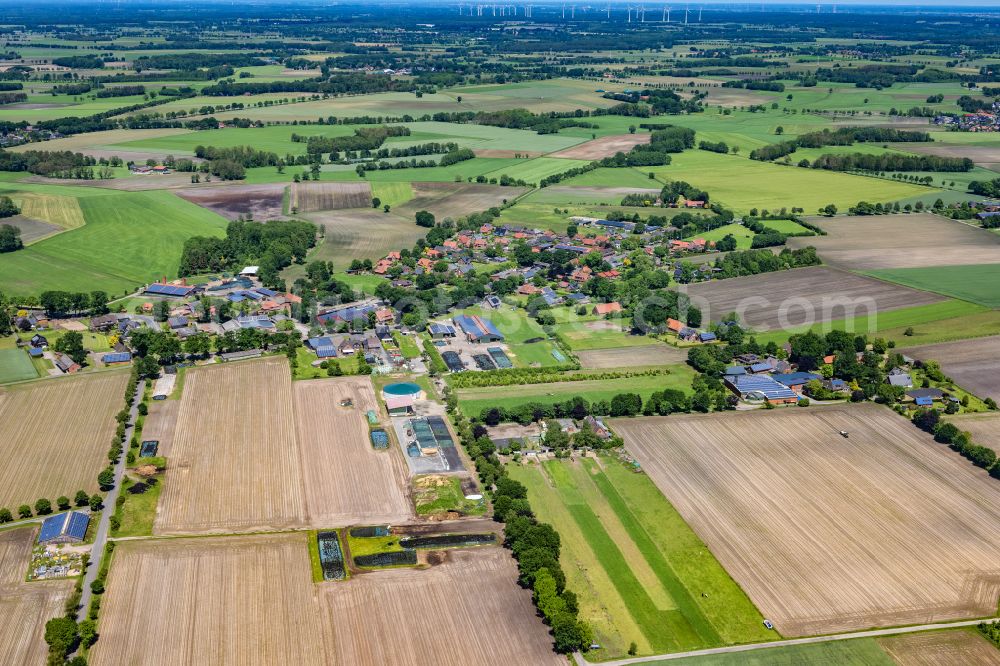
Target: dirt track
828,534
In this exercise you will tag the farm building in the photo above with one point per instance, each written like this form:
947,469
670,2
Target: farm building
69,527
439,331
169,290
478,329
603,309
115,358
796,380
761,387
66,364
401,405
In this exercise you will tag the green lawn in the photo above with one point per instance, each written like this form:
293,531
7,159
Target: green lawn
15,366
742,235
858,652
612,177
885,324
474,400
587,334
533,171
445,497
394,194
365,282
139,511
129,238
407,346
741,184
976,283
639,570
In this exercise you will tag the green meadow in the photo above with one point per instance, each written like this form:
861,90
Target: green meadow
640,572
474,400
129,238
741,184
977,283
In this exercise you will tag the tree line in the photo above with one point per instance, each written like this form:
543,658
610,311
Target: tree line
845,136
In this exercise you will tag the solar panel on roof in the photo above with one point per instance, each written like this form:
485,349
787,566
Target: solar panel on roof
326,352
169,290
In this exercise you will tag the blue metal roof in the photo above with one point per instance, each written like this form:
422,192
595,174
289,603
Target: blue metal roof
35,351
706,336
72,524
796,378
117,357
924,402
169,290
477,327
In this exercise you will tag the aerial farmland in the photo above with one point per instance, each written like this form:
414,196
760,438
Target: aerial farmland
520,335
777,516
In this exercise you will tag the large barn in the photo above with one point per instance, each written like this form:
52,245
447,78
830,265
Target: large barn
478,329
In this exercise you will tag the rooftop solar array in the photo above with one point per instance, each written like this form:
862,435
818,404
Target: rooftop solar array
117,357
168,290
70,524
477,327
762,384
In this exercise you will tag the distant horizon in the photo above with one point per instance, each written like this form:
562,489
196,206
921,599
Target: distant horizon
937,5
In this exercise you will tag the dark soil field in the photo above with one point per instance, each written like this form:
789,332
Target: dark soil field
802,296
606,146
984,156
314,197
900,241
456,199
31,229
972,364
262,202
658,354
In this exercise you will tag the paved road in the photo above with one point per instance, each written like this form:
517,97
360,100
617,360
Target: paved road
104,526
873,633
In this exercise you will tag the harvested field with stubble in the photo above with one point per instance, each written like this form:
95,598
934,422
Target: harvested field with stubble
251,600
456,199
956,647
361,234
618,357
346,480
55,434
984,428
313,197
802,296
261,202
25,607
827,533
459,595
232,600
161,423
234,463
252,452
919,240
606,146
972,364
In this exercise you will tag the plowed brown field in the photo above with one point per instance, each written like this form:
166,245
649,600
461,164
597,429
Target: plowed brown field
55,434
346,480
251,453
827,533
251,600
313,197
234,463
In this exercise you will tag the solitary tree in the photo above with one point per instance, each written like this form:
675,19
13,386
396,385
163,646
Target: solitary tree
24,511
82,498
